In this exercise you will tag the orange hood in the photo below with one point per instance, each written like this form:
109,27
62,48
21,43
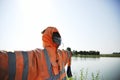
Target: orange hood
47,37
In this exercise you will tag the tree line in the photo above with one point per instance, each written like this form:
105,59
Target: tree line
116,52
92,52
85,52
75,52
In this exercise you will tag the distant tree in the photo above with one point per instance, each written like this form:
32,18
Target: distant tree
68,48
75,52
116,52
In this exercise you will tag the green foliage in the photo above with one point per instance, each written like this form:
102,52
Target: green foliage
86,52
68,48
81,74
95,77
84,75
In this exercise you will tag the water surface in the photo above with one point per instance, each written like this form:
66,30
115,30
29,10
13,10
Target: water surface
107,67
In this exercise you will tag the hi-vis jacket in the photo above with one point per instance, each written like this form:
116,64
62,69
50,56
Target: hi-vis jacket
38,64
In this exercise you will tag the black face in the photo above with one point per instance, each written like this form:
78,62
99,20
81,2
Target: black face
56,38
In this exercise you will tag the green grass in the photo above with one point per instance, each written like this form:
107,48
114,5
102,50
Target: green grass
83,75
95,77
109,55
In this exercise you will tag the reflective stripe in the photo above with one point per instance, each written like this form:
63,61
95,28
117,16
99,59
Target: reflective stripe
62,72
52,77
12,65
49,66
25,68
63,69
64,78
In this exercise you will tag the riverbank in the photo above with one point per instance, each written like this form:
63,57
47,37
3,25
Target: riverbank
101,55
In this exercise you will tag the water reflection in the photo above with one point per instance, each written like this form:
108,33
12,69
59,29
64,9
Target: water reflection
108,67
85,58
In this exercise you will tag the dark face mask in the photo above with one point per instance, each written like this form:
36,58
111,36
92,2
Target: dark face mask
56,38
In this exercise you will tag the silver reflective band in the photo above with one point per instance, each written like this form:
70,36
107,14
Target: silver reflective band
49,66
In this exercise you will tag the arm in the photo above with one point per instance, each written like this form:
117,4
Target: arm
69,72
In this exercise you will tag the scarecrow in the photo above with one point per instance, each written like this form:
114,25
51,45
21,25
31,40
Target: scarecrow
39,64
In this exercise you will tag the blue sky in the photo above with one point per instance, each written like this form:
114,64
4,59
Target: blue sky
83,24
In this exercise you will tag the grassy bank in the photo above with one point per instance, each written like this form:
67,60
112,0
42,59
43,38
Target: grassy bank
83,75
97,56
109,55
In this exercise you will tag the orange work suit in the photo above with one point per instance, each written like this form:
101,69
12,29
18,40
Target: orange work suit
33,65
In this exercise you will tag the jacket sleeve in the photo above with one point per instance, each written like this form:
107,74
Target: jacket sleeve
69,73
69,58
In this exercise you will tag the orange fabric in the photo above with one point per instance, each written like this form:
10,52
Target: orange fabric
65,57
39,71
47,37
3,66
62,76
69,60
37,66
19,65
51,47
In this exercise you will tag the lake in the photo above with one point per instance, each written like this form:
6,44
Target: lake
108,68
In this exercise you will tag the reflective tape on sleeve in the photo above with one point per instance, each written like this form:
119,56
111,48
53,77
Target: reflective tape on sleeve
25,67
12,65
